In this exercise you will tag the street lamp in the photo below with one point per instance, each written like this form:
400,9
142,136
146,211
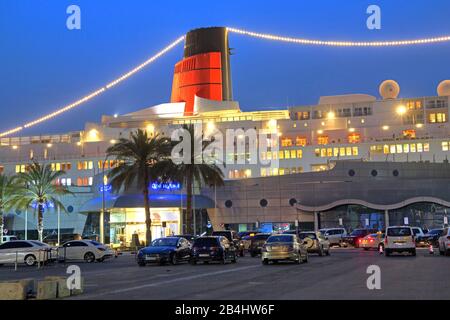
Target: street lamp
102,213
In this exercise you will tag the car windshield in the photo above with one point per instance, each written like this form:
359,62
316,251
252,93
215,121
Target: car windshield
416,230
205,242
280,239
358,232
307,235
372,235
398,232
435,231
165,242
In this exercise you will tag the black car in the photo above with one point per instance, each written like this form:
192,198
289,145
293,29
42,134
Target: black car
356,237
431,237
165,250
188,237
212,248
257,242
234,238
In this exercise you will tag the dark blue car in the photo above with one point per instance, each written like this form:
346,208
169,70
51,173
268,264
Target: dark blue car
165,250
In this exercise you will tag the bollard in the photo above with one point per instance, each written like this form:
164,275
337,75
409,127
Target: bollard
15,264
431,249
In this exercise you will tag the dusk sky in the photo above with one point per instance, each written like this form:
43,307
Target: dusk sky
45,66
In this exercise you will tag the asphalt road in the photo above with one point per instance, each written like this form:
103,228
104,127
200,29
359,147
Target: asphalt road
342,275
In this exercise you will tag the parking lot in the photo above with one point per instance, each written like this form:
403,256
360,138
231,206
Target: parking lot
342,275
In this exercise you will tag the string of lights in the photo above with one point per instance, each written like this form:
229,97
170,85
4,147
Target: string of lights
341,43
97,92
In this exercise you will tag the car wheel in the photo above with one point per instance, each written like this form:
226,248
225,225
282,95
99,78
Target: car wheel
173,259
413,252
265,262
366,249
387,252
224,259
305,260
241,253
89,257
441,252
193,262
321,252
141,264
30,260
234,260
447,253
101,259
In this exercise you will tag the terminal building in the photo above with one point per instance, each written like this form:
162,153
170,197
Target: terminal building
353,160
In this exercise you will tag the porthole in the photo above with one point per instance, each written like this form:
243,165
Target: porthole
374,173
70,209
263,203
395,173
351,172
292,202
228,203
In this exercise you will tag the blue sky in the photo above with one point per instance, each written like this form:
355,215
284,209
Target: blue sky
44,65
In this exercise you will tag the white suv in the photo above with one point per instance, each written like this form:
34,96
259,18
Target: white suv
399,239
334,235
444,242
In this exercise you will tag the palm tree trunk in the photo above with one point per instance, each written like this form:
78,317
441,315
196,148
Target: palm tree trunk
189,228
148,218
40,226
1,227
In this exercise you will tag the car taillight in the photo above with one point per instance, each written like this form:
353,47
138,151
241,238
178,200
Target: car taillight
386,240
370,239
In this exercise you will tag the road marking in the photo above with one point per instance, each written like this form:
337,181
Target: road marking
155,284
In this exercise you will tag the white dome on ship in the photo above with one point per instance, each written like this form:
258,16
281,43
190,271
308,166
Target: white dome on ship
389,89
443,88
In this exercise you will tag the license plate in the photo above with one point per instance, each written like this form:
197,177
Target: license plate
150,258
203,255
399,242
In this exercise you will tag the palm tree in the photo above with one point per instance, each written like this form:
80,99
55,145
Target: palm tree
198,171
37,188
8,186
139,156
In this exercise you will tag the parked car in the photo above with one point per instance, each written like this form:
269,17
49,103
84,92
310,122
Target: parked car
257,242
444,242
356,236
418,232
165,250
315,242
87,250
52,239
213,248
431,237
28,252
233,238
334,235
373,241
9,238
399,239
283,247
188,237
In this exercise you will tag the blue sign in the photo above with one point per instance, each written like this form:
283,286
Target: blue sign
166,186
105,188
45,205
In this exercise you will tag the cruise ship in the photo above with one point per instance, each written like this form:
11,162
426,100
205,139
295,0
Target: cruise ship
332,141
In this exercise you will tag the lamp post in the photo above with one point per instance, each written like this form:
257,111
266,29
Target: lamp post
102,213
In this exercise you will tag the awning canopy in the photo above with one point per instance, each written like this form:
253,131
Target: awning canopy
137,201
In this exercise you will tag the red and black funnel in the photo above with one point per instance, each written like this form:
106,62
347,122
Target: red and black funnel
205,69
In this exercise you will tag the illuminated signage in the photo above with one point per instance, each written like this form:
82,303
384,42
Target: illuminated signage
166,186
105,188
45,205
